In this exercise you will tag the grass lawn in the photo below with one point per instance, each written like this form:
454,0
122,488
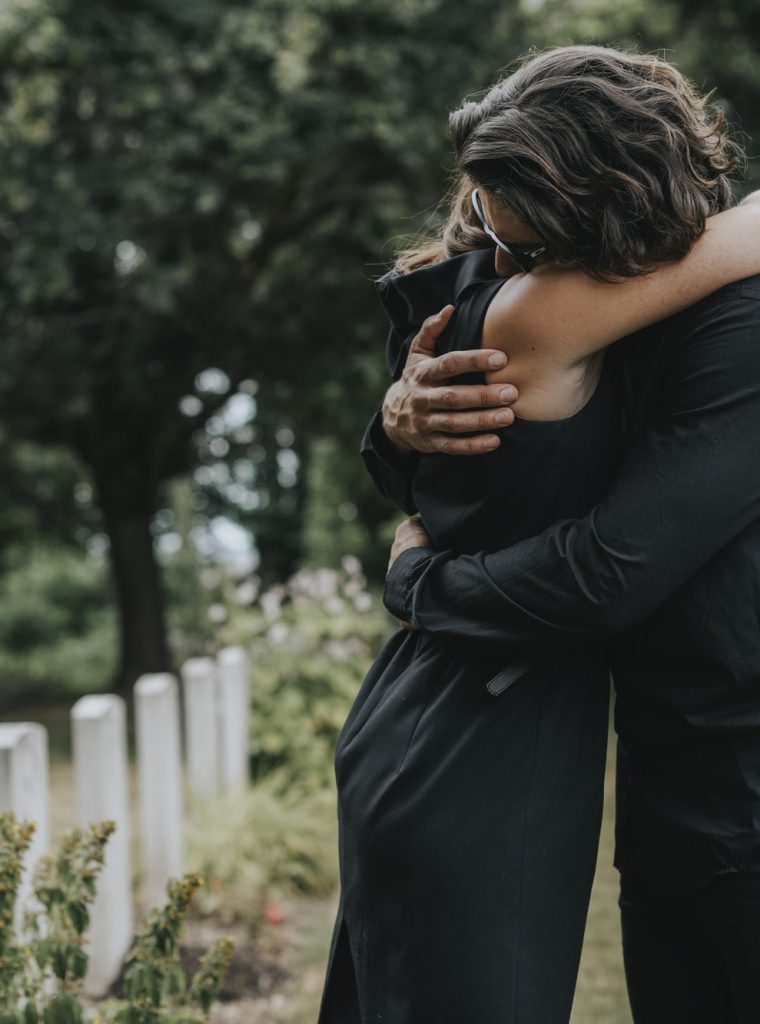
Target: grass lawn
600,996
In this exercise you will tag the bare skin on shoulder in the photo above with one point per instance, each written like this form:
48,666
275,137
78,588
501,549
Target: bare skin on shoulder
541,351
540,348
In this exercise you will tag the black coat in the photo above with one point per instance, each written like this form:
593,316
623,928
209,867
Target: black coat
668,566
470,777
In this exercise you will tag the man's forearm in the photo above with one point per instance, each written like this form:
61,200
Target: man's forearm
390,468
689,487
553,590
456,595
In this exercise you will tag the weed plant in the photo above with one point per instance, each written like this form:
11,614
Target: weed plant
42,970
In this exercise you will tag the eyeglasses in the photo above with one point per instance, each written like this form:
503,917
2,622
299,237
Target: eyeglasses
524,258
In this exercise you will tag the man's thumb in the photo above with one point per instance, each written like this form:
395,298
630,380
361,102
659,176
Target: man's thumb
424,342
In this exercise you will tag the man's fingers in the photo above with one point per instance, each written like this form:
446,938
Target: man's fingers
469,422
453,363
450,445
424,342
467,396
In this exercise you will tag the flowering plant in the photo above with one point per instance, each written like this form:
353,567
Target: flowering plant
42,970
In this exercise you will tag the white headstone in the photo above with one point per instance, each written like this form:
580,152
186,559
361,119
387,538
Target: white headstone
160,782
99,735
201,749
24,781
233,715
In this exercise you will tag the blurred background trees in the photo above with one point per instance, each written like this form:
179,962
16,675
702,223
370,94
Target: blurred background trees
195,201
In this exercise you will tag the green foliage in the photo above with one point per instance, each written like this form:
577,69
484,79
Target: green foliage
57,626
41,977
192,186
155,969
15,958
51,952
64,887
189,187
155,980
41,497
275,839
205,983
312,641
342,510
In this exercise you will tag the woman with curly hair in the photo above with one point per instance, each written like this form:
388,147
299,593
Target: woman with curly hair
592,202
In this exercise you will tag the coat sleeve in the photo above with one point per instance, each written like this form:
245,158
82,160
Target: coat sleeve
391,469
690,485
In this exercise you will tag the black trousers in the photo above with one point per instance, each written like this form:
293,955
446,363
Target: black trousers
694,959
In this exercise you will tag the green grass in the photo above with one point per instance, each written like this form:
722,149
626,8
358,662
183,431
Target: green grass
600,997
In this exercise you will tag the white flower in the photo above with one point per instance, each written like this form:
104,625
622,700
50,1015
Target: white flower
278,633
326,583
246,592
351,565
209,578
363,602
217,612
270,602
353,587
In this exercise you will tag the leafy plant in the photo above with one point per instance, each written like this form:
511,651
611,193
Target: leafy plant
15,839
156,977
41,977
64,888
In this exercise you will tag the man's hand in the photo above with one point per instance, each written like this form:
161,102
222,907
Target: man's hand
409,534
422,413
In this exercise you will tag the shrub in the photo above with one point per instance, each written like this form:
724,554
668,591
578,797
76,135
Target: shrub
41,974
312,641
273,840
57,629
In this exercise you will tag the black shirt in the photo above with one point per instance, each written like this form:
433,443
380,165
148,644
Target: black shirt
668,565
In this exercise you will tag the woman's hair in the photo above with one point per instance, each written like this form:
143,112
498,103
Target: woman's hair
611,157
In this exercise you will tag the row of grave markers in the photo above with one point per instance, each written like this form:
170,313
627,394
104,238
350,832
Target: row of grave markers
216,711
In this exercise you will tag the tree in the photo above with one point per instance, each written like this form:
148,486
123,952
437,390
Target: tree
43,498
194,185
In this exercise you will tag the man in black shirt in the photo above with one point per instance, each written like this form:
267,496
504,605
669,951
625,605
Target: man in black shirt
668,567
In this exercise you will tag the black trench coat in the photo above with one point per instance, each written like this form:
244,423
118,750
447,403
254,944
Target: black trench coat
469,775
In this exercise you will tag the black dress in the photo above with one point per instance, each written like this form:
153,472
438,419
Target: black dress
469,778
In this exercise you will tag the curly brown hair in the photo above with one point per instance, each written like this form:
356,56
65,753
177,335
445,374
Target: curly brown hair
611,156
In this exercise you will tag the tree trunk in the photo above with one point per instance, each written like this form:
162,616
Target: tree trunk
128,500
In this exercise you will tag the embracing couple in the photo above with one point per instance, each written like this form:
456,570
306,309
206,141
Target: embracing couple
583,507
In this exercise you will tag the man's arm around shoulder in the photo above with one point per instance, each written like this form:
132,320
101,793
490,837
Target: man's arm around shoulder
689,486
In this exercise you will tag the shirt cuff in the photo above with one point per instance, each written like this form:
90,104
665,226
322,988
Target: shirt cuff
377,441
399,583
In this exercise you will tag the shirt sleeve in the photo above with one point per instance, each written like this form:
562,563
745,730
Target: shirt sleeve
689,486
391,469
